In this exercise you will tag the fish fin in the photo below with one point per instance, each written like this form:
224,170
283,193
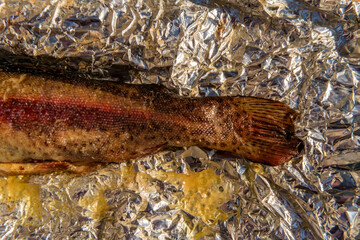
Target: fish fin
9,169
269,134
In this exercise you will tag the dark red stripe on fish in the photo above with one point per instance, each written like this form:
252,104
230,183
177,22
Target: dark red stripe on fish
24,112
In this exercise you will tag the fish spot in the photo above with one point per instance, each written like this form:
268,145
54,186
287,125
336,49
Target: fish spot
190,107
133,95
125,93
197,132
219,100
102,128
154,126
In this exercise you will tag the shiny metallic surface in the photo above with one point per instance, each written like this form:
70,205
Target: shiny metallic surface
303,53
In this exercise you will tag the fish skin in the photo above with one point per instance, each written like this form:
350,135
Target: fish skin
82,122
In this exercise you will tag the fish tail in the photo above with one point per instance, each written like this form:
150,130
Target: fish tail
268,131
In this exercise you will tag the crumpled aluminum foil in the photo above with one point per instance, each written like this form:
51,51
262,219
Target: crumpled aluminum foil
303,53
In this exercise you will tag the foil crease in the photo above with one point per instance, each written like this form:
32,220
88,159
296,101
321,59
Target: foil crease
303,53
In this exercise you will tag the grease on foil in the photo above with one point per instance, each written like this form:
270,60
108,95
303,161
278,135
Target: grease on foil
303,53
16,190
200,194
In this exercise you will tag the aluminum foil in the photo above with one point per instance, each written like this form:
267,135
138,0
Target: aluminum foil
303,53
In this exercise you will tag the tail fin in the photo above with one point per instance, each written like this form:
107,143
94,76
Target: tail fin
269,137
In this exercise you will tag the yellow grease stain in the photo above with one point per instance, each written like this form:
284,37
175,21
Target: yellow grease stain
15,189
204,193
96,204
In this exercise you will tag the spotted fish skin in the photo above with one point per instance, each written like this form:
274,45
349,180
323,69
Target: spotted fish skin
89,122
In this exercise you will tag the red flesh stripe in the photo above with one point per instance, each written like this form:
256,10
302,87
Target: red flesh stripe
22,111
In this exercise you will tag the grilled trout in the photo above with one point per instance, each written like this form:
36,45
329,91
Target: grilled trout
49,124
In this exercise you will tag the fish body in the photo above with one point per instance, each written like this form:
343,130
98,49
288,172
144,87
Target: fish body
49,124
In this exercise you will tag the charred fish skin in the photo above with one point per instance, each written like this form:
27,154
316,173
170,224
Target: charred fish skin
86,122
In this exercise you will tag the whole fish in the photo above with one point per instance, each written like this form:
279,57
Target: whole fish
47,124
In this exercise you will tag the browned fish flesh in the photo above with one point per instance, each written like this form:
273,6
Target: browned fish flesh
47,124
